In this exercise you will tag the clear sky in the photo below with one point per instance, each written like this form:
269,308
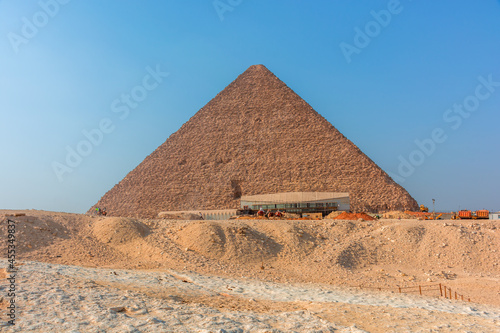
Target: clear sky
414,84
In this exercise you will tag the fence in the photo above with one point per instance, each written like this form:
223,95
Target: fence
432,289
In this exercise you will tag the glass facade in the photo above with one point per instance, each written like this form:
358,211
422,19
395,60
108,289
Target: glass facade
301,207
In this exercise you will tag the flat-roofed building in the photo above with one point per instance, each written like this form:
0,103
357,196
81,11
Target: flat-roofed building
494,215
297,202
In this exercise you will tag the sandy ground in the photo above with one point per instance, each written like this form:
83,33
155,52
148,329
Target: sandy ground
252,275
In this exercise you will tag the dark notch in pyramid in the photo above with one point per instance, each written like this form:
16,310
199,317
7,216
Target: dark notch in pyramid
256,136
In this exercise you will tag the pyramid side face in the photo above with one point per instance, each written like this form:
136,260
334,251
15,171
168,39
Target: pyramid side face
255,137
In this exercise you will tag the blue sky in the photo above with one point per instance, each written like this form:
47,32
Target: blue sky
385,73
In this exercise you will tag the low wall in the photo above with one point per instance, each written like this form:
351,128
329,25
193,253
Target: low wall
219,214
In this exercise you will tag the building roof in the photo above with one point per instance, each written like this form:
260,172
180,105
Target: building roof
294,197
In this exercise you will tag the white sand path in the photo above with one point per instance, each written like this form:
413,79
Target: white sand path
62,298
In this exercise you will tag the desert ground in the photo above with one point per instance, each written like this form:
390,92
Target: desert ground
82,273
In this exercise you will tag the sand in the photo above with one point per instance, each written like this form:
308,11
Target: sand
64,298
275,275
398,215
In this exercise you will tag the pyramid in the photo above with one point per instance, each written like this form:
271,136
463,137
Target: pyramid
257,136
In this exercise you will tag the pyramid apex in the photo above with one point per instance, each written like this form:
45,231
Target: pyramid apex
257,67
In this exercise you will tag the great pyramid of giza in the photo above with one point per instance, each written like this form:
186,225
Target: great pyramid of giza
256,136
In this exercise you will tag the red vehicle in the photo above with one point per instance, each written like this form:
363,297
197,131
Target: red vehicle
465,214
482,214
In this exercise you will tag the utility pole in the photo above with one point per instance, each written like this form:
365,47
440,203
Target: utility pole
433,211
